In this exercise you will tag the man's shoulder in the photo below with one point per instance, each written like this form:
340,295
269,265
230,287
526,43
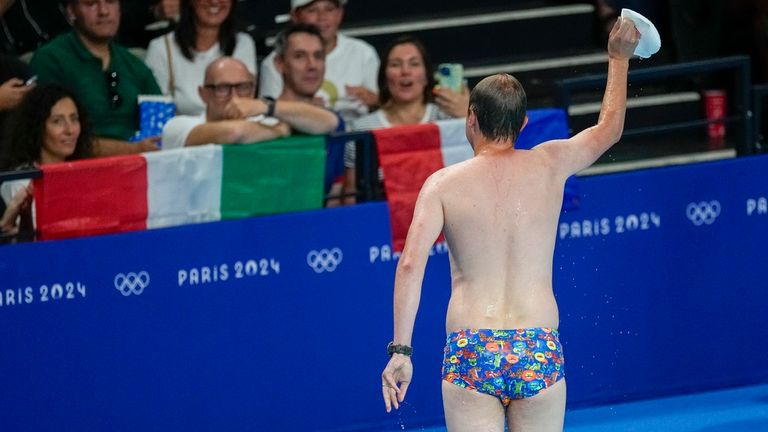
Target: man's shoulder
354,45
61,45
127,55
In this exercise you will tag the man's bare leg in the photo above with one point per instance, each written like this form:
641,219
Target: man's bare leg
541,413
470,411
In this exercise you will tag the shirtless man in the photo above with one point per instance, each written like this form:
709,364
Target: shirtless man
499,212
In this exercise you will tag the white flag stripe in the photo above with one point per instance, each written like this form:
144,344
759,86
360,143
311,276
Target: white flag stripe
453,141
184,186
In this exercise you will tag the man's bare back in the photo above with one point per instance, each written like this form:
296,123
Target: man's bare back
499,209
503,360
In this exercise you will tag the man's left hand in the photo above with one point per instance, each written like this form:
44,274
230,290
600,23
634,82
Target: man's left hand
366,96
395,380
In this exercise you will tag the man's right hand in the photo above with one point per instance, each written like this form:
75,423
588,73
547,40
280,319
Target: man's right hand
148,144
11,93
395,380
18,206
623,39
241,108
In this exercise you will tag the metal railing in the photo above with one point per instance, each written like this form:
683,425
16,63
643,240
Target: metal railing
742,96
759,97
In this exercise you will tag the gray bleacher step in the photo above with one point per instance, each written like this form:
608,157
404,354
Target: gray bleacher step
468,20
461,36
638,102
534,65
644,110
539,75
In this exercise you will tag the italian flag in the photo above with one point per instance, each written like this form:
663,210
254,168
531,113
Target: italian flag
410,154
181,186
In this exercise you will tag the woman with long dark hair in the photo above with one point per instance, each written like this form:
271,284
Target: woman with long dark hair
205,32
407,93
48,126
407,96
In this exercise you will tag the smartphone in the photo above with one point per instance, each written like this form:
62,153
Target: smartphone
31,81
450,75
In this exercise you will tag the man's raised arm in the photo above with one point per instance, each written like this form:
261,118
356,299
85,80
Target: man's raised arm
583,149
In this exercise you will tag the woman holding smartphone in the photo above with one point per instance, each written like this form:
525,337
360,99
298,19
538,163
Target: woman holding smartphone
407,95
407,90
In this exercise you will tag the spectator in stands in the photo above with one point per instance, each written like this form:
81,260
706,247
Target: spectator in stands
233,116
105,76
50,126
351,64
13,76
406,81
300,59
206,31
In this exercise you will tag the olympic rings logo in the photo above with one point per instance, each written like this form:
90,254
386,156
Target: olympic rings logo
703,212
324,259
132,283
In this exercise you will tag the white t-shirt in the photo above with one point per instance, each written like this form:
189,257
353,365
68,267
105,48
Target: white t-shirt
188,75
177,130
352,62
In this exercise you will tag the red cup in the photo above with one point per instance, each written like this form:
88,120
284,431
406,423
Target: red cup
715,106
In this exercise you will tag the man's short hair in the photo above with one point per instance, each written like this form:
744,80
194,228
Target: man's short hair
499,103
281,43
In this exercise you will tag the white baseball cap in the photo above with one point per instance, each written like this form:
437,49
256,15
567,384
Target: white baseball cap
295,4
650,41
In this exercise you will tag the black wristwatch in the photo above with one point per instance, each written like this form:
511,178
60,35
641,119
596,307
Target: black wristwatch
399,349
270,106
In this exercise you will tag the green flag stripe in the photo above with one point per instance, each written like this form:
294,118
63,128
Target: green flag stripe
273,177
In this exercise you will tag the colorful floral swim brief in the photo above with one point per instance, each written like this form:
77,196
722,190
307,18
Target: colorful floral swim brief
508,364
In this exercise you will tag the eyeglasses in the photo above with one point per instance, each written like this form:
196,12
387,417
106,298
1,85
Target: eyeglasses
112,80
243,89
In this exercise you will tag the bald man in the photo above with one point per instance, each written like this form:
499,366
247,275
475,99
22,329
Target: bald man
499,212
232,115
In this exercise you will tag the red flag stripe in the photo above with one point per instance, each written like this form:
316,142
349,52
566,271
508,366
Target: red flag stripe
79,198
407,155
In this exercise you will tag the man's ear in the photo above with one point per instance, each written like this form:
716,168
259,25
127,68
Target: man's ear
203,94
525,122
279,65
70,14
471,119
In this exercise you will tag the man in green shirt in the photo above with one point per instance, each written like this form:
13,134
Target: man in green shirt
106,77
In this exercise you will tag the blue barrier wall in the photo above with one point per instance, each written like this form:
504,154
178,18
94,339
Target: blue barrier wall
280,323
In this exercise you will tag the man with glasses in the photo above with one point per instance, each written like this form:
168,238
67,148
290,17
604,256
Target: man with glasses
233,116
105,76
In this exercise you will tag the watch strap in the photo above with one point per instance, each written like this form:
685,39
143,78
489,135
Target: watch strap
392,348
